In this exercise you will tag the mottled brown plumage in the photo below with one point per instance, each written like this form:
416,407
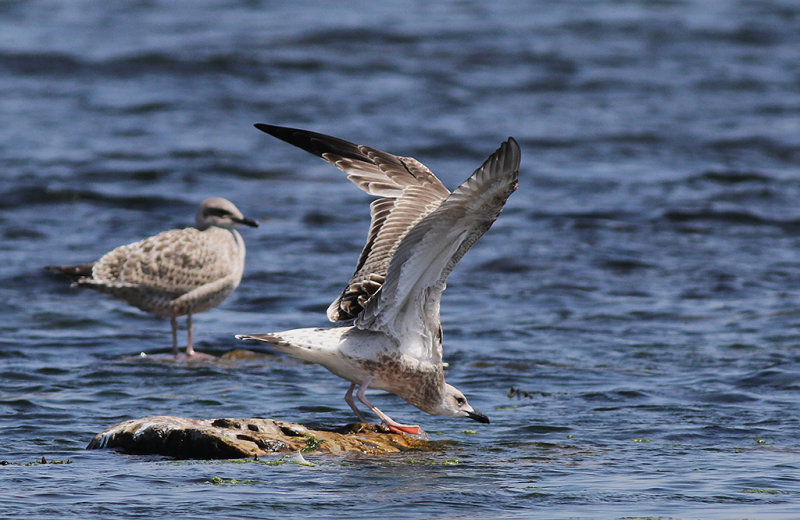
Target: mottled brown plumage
175,273
419,231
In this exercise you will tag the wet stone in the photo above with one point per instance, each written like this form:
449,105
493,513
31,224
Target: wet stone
185,438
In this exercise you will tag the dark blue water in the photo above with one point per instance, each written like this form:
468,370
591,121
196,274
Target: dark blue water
631,323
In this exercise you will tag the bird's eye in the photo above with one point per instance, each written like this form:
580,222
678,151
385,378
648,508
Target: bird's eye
461,401
216,212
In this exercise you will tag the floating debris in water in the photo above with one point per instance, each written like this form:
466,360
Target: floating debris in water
35,462
519,393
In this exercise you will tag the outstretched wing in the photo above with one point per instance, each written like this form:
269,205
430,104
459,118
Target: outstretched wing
407,305
408,189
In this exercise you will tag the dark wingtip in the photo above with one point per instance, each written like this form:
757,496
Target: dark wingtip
516,152
263,127
276,131
312,142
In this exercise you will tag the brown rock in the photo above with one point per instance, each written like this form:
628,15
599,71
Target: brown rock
185,438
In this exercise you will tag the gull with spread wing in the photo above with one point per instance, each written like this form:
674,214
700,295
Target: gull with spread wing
418,232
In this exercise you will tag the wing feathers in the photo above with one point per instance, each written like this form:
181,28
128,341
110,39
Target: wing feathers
418,230
391,220
409,191
408,301
375,172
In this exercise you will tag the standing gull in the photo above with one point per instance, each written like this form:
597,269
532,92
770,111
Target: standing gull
179,272
418,232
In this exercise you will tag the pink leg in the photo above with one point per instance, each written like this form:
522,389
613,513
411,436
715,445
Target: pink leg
190,329
348,397
174,323
388,421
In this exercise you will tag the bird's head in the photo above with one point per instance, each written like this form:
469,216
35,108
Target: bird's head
453,403
221,213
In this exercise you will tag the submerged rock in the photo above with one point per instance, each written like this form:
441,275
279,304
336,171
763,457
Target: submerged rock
185,438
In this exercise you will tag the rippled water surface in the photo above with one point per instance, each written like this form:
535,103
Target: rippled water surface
630,323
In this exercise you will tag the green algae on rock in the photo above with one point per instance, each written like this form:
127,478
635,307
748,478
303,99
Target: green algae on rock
186,438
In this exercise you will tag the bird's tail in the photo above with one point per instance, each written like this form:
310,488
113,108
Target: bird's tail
307,344
272,339
73,271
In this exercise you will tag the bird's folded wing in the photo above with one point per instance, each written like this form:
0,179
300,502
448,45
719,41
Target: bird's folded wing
407,304
175,262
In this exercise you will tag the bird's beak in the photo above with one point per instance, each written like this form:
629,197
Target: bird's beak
475,415
247,222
